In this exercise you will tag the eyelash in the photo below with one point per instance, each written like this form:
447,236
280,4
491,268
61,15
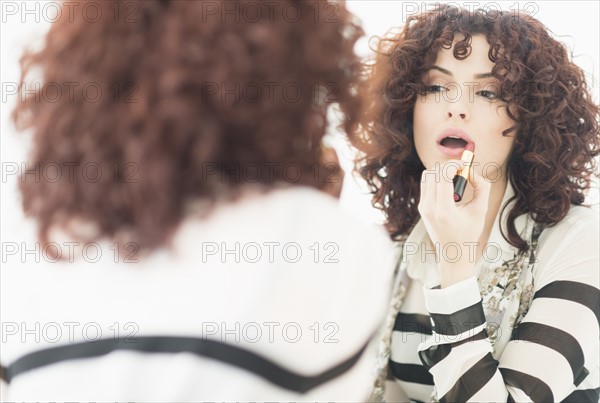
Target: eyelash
431,88
494,95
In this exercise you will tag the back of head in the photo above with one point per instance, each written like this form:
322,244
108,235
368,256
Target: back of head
163,102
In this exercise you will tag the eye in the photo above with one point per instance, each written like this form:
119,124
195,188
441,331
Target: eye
490,95
434,88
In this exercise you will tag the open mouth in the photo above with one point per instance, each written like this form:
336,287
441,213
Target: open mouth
453,142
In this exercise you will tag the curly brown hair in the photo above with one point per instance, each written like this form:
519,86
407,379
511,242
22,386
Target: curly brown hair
197,102
556,122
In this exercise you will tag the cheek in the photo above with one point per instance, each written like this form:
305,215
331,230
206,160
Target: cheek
494,115
494,154
421,122
505,143
417,112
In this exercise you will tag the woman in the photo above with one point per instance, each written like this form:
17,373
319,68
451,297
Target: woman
187,252
496,297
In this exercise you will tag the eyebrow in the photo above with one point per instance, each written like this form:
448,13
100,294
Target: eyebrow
443,70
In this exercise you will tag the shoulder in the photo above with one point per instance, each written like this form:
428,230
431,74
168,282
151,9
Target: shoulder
580,224
581,217
294,210
569,250
317,213
291,215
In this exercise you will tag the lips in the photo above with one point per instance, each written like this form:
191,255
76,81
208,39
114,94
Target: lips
452,142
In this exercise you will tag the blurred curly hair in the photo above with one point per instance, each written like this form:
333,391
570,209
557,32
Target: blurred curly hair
189,97
557,122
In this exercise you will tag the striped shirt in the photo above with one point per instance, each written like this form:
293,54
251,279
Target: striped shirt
274,298
524,328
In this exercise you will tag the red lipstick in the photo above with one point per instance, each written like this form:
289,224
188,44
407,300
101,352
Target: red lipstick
462,176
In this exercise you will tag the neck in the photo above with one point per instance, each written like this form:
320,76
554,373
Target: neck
494,205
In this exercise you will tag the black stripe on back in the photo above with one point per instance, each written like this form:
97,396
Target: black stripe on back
581,293
203,347
583,396
472,380
413,323
411,373
535,388
556,339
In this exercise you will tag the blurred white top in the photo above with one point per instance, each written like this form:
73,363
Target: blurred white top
283,278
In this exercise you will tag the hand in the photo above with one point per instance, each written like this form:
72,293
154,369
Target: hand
449,225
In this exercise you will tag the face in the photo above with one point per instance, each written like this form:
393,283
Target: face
461,95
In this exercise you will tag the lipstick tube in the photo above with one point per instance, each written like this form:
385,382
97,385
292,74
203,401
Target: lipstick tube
462,176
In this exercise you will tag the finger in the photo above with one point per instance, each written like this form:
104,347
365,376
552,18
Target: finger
481,189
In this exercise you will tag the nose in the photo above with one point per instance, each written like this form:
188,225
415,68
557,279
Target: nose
462,115
458,110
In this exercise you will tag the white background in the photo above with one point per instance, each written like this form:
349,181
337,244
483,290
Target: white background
574,23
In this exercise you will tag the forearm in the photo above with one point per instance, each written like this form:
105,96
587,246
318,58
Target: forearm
459,354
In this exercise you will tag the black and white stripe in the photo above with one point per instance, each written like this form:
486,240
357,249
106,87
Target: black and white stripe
561,341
